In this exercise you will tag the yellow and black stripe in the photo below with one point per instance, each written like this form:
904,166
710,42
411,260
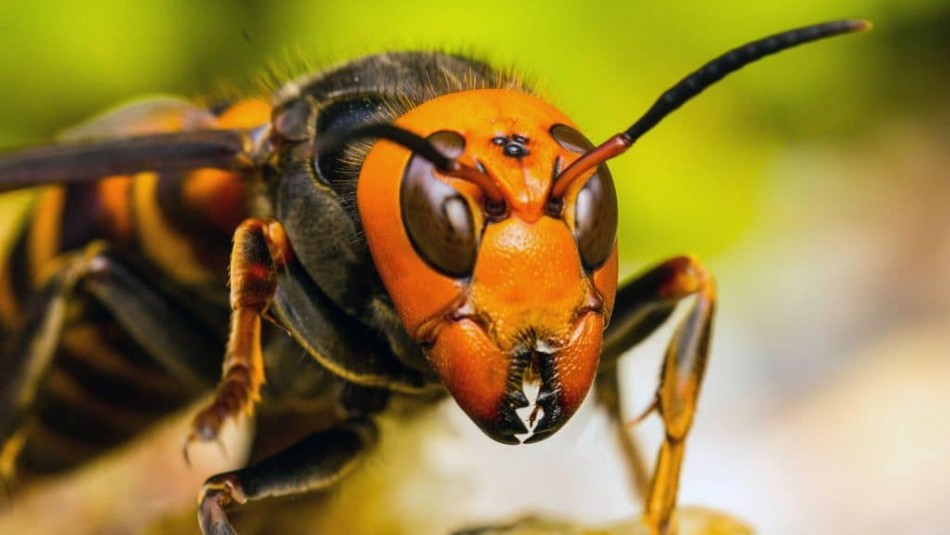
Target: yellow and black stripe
103,386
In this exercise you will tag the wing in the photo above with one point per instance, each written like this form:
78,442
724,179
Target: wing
154,135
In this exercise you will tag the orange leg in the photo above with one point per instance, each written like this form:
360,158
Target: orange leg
680,379
642,305
260,250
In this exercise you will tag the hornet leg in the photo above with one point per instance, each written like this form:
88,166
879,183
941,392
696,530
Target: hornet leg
27,360
608,395
638,312
149,315
643,305
260,250
315,463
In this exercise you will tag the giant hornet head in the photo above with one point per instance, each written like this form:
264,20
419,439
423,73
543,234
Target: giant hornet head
505,280
493,224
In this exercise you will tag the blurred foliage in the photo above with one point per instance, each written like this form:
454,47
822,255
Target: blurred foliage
692,185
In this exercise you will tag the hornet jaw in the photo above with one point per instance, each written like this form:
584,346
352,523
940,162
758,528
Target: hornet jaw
530,402
531,406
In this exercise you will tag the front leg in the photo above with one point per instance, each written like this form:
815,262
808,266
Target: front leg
260,250
315,463
643,305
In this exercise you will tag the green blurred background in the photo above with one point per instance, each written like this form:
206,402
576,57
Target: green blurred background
815,183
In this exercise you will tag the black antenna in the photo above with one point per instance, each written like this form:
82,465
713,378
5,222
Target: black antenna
400,136
732,61
698,81
417,145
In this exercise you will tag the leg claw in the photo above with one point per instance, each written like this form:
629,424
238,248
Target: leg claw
206,427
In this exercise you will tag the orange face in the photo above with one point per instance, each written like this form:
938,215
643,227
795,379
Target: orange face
507,288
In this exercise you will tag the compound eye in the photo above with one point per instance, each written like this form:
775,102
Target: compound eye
595,219
437,218
595,210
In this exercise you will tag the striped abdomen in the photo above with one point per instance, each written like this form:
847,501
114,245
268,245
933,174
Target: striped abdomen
174,231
